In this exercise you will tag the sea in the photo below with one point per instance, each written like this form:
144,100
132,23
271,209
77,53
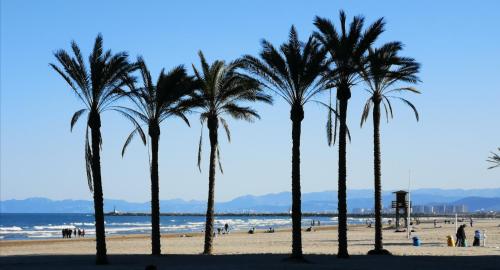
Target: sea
45,226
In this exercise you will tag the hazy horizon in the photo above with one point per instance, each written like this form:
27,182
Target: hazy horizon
456,42
255,195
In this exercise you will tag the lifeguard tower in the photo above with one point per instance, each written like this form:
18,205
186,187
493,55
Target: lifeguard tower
401,204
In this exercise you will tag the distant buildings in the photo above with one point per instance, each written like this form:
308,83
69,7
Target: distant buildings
440,209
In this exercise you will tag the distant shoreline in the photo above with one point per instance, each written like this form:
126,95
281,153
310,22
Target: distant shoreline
279,214
388,215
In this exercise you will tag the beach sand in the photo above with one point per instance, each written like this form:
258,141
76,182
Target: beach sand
184,250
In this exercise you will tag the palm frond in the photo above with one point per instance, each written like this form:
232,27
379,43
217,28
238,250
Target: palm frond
495,159
88,161
131,136
75,117
226,128
199,147
411,106
366,112
219,160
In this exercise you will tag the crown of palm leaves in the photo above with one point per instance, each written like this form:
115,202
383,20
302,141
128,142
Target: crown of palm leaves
153,103
97,86
220,90
381,71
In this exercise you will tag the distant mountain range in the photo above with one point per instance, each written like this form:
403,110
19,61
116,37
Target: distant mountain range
474,199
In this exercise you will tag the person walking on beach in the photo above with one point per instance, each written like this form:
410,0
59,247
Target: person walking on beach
459,236
226,227
471,222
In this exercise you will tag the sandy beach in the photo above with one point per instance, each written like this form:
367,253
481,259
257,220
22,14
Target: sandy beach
321,242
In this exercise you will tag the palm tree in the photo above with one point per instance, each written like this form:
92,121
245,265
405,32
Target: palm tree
495,159
346,50
293,73
381,72
153,105
221,88
97,87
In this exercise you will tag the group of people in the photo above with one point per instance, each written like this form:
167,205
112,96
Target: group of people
252,230
315,223
67,233
462,238
224,230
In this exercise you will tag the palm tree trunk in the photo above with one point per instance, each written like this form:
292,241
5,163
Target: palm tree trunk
296,115
154,133
378,182
377,172
209,225
95,125
342,181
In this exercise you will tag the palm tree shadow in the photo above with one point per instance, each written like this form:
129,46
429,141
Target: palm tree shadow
246,261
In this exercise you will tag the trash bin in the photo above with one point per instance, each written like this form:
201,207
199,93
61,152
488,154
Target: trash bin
416,241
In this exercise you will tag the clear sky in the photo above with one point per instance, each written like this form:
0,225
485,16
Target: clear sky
457,42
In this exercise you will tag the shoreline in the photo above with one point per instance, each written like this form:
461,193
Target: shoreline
323,240
6,243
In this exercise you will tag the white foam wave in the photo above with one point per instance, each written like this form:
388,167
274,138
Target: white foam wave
128,224
127,229
55,227
82,223
12,228
42,235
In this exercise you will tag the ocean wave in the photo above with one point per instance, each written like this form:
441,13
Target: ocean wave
127,229
12,228
128,224
54,227
42,235
82,223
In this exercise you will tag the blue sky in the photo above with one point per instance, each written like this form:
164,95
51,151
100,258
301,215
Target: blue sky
457,42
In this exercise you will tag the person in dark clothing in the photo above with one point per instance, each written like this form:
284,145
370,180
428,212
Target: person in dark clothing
463,236
459,236
477,239
226,227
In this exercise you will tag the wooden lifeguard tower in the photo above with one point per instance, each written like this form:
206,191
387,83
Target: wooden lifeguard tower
401,204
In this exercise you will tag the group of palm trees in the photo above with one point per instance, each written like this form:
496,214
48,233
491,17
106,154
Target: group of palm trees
333,57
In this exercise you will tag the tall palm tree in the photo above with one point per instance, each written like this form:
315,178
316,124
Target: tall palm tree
382,72
153,105
346,50
293,73
97,88
495,159
221,89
